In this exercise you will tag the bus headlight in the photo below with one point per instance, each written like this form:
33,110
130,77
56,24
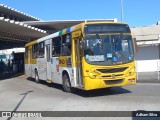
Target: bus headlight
92,75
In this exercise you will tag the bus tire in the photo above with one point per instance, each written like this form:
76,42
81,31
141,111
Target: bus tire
36,77
66,84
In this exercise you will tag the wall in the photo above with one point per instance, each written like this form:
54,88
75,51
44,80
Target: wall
147,59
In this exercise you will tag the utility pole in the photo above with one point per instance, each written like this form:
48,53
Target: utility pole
122,20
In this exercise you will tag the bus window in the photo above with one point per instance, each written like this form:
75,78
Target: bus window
35,51
56,46
66,45
41,50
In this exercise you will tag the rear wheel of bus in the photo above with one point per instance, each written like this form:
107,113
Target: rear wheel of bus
66,83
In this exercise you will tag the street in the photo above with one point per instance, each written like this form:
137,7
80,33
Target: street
23,94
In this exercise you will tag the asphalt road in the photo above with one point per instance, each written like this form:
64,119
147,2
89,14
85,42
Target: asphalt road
22,94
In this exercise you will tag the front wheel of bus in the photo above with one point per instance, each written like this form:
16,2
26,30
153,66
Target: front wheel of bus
66,84
36,77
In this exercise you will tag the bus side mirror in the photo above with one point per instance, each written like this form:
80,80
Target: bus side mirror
135,45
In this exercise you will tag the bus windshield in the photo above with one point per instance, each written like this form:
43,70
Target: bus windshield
108,49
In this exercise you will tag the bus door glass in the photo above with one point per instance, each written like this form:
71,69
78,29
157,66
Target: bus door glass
78,61
48,59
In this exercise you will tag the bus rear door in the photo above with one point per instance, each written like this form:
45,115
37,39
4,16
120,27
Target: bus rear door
48,59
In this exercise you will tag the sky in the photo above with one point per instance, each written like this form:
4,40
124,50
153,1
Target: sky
136,12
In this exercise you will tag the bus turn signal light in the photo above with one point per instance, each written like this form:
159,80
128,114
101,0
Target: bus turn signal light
131,80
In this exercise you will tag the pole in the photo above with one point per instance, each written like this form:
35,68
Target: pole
122,11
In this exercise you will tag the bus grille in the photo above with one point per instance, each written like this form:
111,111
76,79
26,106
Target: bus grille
118,81
109,76
113,70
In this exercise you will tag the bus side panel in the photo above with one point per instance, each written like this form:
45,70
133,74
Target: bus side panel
42,68
66,66
70,72
27,70
34,66
28,61
75,83
55,73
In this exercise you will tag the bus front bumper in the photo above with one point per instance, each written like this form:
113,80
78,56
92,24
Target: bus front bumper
96,83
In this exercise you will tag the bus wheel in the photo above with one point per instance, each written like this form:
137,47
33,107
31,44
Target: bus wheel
66,84
36,77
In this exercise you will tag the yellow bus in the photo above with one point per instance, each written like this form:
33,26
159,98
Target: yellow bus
90,55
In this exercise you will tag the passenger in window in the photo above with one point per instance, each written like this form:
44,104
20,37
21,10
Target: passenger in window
36,55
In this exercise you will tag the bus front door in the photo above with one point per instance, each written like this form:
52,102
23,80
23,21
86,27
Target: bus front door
48,57
78,62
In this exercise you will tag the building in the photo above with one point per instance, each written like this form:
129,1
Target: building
148,54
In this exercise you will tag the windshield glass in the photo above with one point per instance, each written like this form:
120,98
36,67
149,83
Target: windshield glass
108,49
